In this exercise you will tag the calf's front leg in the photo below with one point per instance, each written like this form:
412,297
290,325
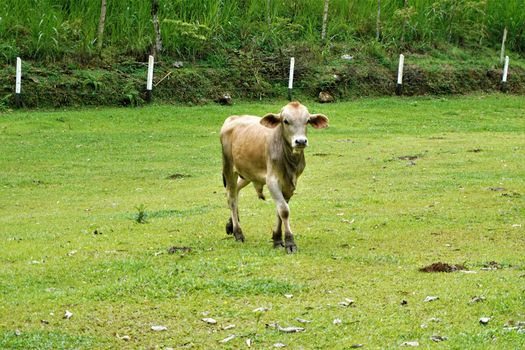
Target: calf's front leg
283,216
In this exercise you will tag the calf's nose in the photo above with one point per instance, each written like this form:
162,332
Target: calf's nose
301,141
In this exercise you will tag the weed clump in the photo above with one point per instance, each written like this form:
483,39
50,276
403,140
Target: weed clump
141,215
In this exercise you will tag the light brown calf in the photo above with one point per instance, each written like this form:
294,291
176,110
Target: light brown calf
269,151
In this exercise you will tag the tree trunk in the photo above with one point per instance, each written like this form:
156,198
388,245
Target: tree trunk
325,19
378,22
101,24
158,38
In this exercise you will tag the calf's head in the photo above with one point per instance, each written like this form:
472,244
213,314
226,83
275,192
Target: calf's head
293,120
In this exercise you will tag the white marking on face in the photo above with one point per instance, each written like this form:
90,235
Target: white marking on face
295,121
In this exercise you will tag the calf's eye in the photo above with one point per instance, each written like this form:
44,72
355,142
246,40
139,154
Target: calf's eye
286,121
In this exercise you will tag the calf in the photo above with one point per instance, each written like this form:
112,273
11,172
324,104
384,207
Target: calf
269,151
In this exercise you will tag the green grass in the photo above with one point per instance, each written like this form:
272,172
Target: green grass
365,222
65,31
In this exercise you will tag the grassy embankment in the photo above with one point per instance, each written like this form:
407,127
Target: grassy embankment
393,185
243,48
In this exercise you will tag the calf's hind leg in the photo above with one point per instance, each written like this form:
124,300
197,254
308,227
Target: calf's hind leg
233,225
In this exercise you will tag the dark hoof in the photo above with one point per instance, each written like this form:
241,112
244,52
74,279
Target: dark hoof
278,244
239,237
229,226
291,248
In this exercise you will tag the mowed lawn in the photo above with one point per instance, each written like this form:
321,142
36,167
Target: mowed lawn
393,185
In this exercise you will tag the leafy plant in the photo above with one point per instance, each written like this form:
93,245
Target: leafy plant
141,216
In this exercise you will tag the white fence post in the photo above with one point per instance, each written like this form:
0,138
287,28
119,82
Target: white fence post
149,83
504,77
18,83
290,80
399,86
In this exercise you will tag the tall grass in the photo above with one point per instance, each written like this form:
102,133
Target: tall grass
51,30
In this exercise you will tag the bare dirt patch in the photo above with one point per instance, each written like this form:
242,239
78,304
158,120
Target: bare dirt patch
442,267
177,176
174,250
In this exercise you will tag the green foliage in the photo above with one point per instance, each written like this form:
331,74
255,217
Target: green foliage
47,30
188,39
141,216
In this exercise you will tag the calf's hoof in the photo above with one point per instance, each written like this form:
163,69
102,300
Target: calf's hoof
229,226
238,235
278,244
291,248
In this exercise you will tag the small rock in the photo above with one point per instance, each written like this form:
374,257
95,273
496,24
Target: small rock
290,329
434,319
346,303
209,320
288,296
71,253
430,298
300,320
159,328
44,321
261,309
230,326
125,338
178,64
325,97
410,343
227,339
477,299
249,342
18,333
438,338
68,314
224,99
337,321
347,57
279,345
484,320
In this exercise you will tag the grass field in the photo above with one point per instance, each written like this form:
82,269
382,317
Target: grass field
392,186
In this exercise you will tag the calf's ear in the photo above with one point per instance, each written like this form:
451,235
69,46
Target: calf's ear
318,121
271,120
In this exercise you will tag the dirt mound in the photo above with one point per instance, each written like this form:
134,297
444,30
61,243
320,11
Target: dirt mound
442,267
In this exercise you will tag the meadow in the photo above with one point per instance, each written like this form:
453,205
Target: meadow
112,222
